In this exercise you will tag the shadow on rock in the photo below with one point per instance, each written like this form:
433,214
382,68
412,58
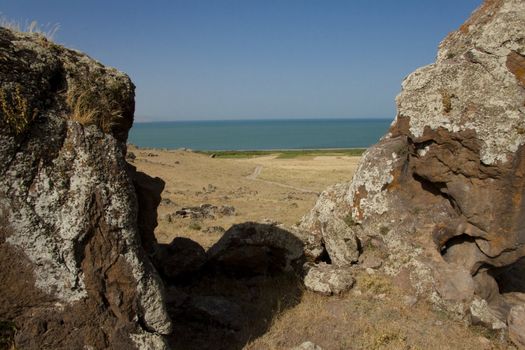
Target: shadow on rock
248,278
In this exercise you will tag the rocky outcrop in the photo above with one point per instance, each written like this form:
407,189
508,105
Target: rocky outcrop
74,272
443,191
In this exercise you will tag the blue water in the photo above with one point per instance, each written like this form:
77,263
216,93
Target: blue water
259,134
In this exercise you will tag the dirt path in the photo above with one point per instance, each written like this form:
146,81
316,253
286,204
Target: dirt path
257,171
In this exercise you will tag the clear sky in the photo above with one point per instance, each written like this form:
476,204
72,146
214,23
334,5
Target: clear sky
255,59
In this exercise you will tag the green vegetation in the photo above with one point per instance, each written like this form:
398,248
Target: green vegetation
286,154
16,110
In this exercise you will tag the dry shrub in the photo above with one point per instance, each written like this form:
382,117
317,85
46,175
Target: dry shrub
91,108
16,110
48,31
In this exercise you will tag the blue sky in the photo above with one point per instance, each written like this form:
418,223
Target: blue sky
255,59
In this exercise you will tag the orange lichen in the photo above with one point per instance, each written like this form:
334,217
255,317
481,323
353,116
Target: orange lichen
516,65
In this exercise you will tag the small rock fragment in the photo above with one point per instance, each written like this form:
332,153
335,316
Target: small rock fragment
307,345
516,324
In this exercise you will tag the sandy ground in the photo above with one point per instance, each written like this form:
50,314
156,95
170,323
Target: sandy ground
278,312
260,189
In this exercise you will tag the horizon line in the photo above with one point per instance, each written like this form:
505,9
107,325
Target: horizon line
263,119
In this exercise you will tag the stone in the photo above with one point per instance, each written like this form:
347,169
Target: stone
516,322
75,267
370,261
130,156
307,345
226,210
482,314
328,279
206,211
443,188
218,310
214,229
252,249
179,259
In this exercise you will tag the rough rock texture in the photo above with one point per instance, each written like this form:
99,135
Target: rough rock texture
74,272
307,345
516,321
180,259
328,279
443,190
251,248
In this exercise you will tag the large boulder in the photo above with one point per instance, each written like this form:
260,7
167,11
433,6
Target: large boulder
443,190
74,272
251,248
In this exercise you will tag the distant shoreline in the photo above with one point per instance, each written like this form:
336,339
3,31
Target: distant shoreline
280,153
185,121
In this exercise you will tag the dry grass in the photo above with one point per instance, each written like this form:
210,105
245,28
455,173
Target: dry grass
89,108
16,110
362,320
48,31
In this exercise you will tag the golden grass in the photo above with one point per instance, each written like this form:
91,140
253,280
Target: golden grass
48,31
88,108
16,110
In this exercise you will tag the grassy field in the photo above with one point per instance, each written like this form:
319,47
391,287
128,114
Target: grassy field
286,154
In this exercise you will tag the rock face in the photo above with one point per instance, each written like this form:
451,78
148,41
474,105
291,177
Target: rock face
74,272
443,190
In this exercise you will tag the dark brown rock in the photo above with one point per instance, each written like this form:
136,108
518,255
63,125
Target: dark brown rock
252,248
180,259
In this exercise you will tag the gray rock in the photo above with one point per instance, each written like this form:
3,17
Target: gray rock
482,314
214,229
307,345
70,205
516,322
328,279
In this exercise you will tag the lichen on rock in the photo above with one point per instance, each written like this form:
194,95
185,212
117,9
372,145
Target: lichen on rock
442,191
69,206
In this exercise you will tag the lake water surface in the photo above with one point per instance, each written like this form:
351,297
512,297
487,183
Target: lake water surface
260,134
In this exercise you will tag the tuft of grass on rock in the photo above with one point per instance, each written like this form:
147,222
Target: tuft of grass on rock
89,107
17,112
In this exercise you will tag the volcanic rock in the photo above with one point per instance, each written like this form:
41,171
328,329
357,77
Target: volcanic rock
75,273
307,345
179,259
444,188
328,279
252,248
516,321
